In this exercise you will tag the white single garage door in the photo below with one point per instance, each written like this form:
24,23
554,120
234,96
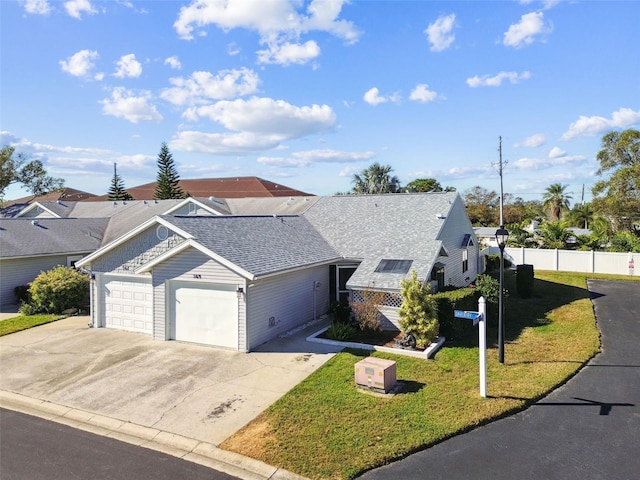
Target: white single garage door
204,313
128,303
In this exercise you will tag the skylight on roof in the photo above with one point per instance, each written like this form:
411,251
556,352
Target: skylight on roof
394,266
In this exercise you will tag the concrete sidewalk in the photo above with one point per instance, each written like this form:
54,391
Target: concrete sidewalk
178,398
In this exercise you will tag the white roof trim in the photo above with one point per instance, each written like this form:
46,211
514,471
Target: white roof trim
132,233
192,200
192,243
34,205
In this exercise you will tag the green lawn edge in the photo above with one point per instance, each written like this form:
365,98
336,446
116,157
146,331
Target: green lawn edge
24,322
325,428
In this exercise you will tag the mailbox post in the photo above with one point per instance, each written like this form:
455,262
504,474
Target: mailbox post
479,318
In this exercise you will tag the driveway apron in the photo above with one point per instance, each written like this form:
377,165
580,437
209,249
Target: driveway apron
587,429
199,392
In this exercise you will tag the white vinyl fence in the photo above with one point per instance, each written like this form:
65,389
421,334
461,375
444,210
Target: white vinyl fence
572,260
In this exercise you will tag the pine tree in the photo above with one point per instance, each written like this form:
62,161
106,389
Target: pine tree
116,190
167,181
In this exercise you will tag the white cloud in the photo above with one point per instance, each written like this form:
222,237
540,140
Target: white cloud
373,97
306,158
255,125
524,33
546,4
496,80
125,104
76,8
625,117
173,62
200,87
289,53
37,7
556,152
233,49
440,32
278,22
128,66
422,94
265,116
546,163
242,143
80,63
532,141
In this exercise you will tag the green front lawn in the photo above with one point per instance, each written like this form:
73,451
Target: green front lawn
22,322
326,428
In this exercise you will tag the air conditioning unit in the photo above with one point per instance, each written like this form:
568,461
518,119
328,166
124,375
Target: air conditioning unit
376,374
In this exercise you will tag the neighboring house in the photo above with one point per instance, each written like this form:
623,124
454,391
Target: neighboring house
233,187
65,194
25,252
28,247
237,281
486,236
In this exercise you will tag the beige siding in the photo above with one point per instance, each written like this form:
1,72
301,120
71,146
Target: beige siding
278,304
456,226
21,271
191,265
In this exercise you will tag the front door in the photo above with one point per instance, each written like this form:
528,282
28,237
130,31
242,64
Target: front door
343,274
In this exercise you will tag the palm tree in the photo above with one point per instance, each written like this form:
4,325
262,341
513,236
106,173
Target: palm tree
375,179
555,200
553,234
580,215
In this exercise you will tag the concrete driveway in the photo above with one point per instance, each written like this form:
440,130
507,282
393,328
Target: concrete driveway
199,392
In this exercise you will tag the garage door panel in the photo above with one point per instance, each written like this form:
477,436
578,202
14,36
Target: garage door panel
205,313
128,304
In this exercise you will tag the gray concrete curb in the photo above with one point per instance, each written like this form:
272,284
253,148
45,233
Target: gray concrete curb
196,451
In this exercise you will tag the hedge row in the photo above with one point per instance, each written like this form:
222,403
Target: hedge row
460,299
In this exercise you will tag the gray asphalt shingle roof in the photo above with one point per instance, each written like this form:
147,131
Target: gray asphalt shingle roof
376,227
260,245
49,236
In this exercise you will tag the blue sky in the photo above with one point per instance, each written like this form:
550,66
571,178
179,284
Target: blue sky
306,93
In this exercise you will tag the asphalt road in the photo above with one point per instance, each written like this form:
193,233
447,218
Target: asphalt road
33,448
588,429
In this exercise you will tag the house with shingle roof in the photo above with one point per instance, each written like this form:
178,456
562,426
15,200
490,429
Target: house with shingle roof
30,246
57,243
237,280
226,187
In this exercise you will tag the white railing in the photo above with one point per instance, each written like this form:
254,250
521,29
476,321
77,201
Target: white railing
572,260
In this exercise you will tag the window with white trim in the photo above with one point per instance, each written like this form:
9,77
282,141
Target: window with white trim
465,261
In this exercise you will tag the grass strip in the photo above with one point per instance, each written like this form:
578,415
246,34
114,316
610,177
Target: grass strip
22,322
324,428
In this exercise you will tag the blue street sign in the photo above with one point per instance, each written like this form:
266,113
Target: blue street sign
475,316
466,314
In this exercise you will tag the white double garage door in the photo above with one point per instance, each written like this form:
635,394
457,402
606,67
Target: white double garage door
198,312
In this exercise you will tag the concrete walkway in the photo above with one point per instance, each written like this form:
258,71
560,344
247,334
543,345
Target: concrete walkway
587,429
175,397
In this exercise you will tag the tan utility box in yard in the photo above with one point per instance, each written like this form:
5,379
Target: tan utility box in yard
376,374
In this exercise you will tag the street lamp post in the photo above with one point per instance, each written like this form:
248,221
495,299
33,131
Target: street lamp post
502,235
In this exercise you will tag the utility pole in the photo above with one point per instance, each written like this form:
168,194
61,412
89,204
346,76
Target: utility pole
502,235
501,190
